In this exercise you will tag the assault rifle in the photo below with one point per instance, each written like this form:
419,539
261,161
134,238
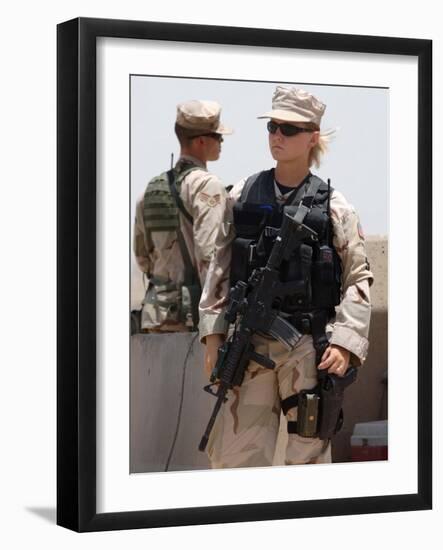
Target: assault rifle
253,306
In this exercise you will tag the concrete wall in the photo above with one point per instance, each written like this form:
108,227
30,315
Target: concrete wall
168,405
366,400
170,410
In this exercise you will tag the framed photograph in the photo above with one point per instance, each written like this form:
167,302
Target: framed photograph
130,404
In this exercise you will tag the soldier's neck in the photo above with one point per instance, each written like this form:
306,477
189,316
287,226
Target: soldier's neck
291,174
199,159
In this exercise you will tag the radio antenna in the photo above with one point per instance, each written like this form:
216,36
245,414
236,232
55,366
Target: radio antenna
329,209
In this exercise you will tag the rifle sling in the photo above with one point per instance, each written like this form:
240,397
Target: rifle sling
305,192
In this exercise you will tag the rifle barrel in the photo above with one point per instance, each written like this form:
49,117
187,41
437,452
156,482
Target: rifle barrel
218,404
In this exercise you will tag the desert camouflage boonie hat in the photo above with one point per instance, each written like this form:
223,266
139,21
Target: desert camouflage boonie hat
198,117
295,105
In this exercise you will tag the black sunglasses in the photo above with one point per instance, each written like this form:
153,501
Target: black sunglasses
287,130
213,135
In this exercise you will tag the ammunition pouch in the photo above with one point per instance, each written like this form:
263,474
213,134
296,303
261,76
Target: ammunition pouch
298,268
166,302
160,304
160,204
326,278
308,403
315,269
244,259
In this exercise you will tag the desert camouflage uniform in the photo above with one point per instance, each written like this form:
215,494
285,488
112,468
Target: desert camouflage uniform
158,253
246,429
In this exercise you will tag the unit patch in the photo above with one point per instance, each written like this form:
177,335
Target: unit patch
210,200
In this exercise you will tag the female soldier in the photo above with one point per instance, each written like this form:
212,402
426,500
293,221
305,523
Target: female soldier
246,429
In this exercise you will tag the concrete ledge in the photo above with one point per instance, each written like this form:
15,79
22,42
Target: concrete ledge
168,405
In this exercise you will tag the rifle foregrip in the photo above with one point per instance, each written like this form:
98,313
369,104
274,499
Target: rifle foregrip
233,359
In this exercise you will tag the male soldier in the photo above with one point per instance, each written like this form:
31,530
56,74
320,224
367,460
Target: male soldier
331,309
177,220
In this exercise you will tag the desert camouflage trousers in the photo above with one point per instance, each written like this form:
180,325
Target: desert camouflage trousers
246,429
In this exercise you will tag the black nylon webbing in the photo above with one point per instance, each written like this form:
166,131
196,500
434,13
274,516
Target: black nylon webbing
191,275
289,403
292,427
311,191
318,324
298,194
177,198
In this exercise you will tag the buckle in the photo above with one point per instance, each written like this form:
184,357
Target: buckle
306,325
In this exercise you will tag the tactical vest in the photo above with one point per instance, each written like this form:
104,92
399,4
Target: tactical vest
160,211
314,264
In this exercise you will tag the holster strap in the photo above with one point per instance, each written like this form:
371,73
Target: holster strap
289,403
292,426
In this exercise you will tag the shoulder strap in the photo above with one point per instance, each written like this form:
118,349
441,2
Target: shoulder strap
312,190
175,194
191,276
306,202
297,195
300,191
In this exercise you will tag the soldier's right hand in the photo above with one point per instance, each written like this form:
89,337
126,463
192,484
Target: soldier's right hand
213,342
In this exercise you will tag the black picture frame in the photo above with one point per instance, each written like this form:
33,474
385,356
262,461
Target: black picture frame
76,273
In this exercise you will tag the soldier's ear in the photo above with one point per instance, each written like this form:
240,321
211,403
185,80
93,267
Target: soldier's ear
315,137
196,143
200,140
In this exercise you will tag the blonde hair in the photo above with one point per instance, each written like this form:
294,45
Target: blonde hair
322,147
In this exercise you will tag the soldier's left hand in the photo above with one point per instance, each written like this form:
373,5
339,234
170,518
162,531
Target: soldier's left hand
335,359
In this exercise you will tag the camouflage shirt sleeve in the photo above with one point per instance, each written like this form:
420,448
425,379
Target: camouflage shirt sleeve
216,287
207,205
142,243
350,328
